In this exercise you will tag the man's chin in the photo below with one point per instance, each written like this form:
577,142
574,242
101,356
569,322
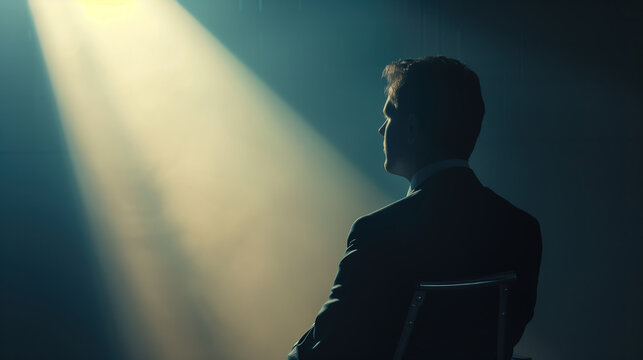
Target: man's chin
393,168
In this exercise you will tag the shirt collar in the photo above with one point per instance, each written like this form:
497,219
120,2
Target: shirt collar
429,170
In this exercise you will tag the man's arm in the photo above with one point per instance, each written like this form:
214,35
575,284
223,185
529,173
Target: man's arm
340,330
527,284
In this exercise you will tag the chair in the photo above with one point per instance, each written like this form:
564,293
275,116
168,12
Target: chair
502,281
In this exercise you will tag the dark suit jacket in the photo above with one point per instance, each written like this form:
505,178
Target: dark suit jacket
452,227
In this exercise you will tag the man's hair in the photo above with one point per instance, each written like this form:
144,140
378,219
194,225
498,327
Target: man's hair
443,94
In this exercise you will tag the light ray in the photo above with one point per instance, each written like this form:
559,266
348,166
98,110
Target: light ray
219,213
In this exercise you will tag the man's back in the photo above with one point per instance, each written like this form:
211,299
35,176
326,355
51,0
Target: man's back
451,227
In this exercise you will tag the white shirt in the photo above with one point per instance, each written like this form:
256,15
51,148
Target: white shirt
426,172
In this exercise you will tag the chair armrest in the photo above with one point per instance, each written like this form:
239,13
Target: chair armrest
470,283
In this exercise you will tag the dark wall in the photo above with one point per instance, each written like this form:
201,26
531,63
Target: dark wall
562,139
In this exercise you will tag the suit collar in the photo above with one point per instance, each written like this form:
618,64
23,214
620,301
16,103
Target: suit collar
447,179
424,174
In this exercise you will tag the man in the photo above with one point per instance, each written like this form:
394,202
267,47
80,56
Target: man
449,226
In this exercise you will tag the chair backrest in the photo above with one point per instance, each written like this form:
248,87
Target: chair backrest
501,281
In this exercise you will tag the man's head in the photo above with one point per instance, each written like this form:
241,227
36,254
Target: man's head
433,111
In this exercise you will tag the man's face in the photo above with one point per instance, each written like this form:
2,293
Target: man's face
395,145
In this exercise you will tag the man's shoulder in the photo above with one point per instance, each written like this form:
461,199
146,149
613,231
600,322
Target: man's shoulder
511,211
422,210
387,216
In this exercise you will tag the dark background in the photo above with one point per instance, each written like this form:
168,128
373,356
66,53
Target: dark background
562,139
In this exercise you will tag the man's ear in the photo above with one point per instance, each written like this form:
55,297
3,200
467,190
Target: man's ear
412,129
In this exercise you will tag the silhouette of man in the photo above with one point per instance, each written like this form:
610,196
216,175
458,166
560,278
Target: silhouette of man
449,226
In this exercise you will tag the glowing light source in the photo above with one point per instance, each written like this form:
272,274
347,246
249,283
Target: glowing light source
220,214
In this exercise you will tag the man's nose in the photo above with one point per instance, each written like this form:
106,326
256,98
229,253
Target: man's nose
382,128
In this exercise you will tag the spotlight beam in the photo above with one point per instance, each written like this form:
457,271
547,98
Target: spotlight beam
219,212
